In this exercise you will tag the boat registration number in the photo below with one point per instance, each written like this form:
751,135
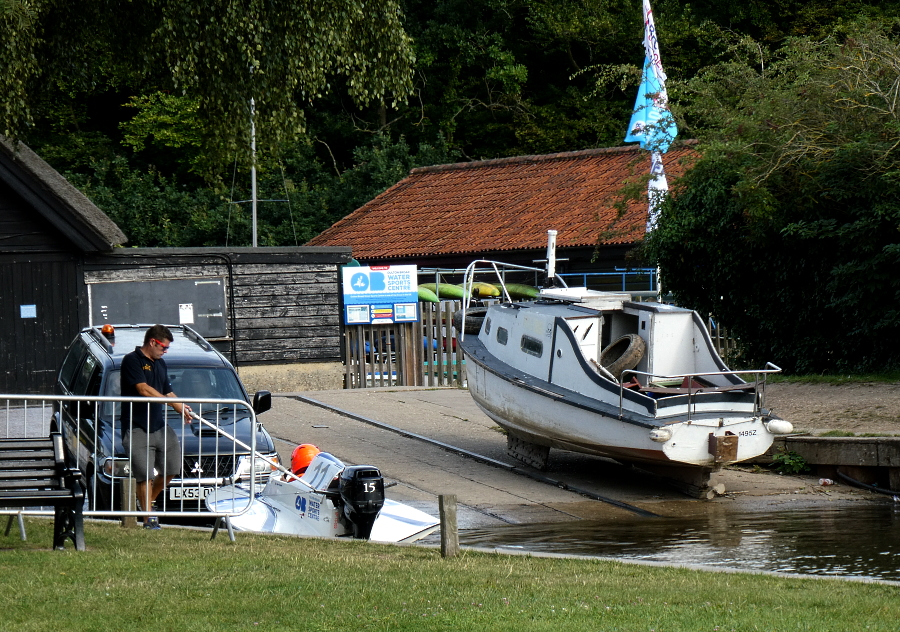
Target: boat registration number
189,493
747,433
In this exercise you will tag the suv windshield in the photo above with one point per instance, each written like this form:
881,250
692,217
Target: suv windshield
203,383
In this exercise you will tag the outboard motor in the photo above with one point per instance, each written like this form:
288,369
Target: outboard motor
362,492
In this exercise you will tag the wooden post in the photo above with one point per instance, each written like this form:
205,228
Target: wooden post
348,357
410,333
429,353
449,529
128,492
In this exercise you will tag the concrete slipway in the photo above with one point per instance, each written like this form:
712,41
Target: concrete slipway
489,495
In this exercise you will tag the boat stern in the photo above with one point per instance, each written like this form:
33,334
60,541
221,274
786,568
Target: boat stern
718,441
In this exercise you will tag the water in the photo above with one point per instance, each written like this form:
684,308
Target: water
859,540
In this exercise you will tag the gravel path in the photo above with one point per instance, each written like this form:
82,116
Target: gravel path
858,408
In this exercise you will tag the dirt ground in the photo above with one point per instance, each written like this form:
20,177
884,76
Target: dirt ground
863,409
866,408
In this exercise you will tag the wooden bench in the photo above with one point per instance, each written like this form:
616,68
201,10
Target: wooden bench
33,473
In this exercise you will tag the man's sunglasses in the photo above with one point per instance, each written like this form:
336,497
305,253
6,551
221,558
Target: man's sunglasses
164,347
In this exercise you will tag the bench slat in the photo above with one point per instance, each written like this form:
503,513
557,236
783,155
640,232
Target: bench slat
14,464
26,454
37,499
44,473
20,487
26,444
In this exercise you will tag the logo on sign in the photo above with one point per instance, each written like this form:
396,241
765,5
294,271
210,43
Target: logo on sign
374,282
301,504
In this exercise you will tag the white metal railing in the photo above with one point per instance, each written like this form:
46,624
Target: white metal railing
758,400
500,270
91,430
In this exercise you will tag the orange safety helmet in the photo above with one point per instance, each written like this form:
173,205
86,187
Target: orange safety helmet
302,456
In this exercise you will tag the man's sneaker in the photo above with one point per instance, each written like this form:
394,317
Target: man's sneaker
152,523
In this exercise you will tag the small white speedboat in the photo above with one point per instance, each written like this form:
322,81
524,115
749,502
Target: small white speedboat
329,500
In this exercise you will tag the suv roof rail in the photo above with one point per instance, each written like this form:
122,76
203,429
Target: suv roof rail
200,340
103,340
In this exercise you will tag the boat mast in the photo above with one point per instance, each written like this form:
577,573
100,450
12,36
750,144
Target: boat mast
551,258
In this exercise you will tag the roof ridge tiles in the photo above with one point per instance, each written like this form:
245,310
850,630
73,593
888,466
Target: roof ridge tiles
566,155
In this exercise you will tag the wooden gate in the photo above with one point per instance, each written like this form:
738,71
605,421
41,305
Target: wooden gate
407,354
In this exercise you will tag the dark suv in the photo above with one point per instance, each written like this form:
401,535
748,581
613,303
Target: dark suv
92,431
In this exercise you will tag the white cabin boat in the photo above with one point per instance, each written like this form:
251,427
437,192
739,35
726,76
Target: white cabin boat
595,372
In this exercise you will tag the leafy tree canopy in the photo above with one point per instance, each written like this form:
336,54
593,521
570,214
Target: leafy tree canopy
788,228
219,55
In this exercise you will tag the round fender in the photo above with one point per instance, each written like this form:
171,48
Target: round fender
623,354
474,319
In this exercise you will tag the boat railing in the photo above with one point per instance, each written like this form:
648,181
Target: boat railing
759,385
499,269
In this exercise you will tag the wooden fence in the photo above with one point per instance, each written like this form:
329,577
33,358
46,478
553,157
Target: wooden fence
408,354
425,353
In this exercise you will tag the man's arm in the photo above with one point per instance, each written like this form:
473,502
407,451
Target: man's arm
145,390
184,409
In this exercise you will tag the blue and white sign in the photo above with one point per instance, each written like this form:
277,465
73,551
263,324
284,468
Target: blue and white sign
380,294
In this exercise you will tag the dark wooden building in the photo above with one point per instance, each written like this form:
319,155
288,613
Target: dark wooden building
257,305
46,227
61,270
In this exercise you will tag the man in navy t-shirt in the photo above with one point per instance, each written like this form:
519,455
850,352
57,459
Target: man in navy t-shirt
147,438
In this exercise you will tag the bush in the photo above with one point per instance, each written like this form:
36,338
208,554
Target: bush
787,228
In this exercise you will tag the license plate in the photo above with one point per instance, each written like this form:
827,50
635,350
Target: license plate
189,493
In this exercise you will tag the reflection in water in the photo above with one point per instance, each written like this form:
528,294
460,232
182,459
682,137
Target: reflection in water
862,540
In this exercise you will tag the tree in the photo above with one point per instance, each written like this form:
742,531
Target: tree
788,228
281,53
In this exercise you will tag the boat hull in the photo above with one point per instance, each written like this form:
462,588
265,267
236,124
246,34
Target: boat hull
572,428
548,414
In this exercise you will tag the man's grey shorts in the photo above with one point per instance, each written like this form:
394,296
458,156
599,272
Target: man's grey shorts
161,450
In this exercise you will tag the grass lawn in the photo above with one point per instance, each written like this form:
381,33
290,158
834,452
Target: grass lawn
178,580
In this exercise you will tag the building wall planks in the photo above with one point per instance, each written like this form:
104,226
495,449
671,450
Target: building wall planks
32,347
283,303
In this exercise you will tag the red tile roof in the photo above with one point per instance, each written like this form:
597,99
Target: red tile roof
506,204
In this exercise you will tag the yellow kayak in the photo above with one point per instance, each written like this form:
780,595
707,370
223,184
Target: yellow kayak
485,289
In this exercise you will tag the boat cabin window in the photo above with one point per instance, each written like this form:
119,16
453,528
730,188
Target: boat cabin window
487,326
502,335
532,346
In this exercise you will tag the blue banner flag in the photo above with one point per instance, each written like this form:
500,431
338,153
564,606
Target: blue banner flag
652,124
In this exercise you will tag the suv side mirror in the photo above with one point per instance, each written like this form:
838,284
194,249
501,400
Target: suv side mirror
262,402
